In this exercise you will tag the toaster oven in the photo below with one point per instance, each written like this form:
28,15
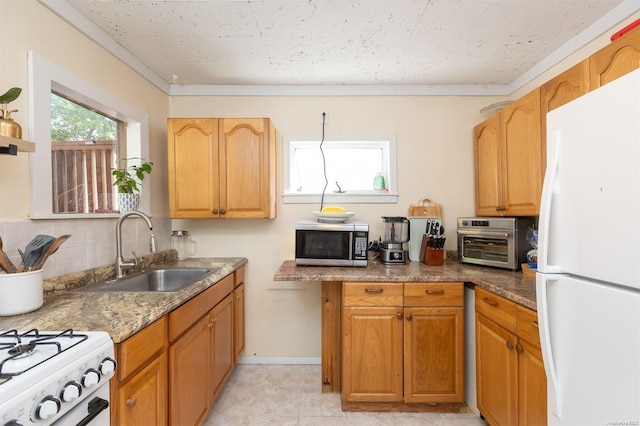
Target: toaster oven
500,242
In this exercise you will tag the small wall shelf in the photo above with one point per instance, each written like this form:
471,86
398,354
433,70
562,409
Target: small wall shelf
13,146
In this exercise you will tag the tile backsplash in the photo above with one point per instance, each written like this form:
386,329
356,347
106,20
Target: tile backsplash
92,242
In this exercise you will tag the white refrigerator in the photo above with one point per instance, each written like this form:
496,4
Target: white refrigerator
588,280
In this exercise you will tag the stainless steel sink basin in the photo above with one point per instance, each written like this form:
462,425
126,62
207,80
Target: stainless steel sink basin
153,280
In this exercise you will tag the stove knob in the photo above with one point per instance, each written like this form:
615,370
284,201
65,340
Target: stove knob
13,423
71,391
90,378
107,366
47,407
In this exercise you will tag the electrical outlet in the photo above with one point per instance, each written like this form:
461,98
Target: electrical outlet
324,117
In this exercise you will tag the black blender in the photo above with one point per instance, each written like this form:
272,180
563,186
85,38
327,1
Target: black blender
396,234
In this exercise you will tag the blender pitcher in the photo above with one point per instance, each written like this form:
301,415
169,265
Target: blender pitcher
182,243
396,232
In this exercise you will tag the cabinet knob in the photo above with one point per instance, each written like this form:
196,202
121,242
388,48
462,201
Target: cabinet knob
519,348
131,402
408,317
214,211
399,315
223,211
509,345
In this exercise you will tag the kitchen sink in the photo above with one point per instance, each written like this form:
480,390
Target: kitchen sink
152,280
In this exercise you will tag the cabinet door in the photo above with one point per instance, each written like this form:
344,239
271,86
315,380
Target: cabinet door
496,373
238,322
615,60
247,169
433,355
221,344
522,156
532,385
188,366
143,399
193,174
488,159
372,354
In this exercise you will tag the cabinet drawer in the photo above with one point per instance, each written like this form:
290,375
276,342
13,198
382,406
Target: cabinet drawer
372,294
135,351
433,294
496,308
183,317
527,325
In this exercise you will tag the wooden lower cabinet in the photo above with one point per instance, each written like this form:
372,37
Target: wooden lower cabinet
238,321
221,347
511,381
402,346
139,395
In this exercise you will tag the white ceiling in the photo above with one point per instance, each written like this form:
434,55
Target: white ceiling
472,43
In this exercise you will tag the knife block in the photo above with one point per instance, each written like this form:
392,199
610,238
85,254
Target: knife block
430,256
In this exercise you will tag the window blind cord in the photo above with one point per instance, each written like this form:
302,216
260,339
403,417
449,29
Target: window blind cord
324,164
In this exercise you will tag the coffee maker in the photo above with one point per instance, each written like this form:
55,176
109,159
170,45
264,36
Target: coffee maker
396,233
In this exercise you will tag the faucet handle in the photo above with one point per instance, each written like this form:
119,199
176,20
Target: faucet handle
135,259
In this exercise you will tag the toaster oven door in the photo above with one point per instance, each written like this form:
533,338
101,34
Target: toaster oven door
483,247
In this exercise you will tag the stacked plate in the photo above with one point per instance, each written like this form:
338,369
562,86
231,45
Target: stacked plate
333,217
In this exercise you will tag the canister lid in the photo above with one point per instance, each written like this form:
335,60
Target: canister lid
179,233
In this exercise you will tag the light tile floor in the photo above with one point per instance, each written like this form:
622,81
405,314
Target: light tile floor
291,395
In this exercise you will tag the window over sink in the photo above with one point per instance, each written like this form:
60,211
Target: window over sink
45,78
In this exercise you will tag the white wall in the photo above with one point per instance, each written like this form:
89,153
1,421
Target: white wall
434,157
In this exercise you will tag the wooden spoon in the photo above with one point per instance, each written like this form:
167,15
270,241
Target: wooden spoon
5,263
52,249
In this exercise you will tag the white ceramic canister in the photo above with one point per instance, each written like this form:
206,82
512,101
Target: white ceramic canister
20,292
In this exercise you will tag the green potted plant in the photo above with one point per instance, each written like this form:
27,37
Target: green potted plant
8,127
128,180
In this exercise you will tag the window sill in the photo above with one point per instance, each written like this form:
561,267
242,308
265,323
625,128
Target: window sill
333,198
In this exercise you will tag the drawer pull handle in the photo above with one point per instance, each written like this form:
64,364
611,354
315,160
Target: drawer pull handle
441,291
534,323
489,301
373,290
131,402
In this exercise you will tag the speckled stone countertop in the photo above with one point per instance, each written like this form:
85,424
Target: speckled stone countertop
514,286
120,314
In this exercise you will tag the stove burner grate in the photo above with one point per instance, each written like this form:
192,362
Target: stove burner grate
12,342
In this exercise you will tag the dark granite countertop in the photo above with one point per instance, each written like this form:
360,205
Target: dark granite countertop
120,314
514,286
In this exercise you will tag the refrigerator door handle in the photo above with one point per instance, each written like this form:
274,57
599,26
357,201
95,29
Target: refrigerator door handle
550,177
554,396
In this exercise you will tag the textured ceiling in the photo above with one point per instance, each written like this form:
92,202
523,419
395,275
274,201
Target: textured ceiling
342,42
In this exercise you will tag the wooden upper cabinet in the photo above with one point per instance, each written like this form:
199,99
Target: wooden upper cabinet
221,168
615,60
193,159
509,160
565,87
522,156
488,167
247,168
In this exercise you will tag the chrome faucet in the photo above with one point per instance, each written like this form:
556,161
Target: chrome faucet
121,265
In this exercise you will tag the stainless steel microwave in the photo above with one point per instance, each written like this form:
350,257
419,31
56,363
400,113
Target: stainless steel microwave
494,241
331,244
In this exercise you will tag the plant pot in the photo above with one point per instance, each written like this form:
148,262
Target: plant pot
21,292
128,202
10,128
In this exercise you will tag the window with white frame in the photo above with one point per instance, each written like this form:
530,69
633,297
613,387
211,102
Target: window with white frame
347,169
45,78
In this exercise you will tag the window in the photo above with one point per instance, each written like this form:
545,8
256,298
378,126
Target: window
46,78
350,163
84,149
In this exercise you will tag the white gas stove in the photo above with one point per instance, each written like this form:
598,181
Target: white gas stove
55,377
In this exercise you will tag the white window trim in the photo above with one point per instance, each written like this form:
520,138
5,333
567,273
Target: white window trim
364,197
44,76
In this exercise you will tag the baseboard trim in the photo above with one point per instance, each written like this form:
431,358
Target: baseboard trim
278,360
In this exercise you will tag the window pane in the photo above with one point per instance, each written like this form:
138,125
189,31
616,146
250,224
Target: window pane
84,148
352,164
